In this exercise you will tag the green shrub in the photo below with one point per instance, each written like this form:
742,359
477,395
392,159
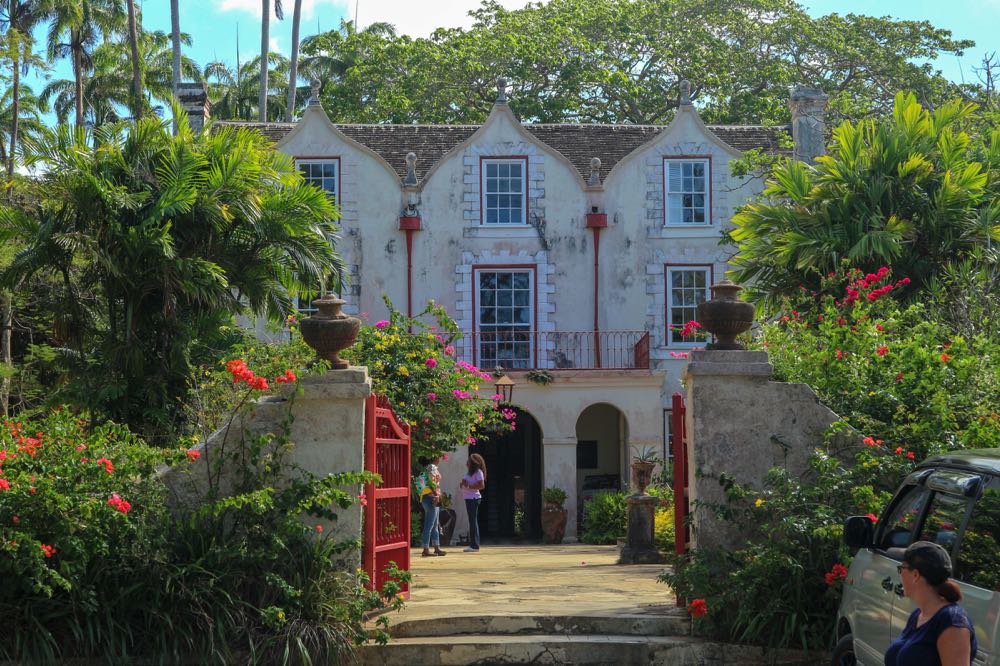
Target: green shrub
604,518
663,528
554,495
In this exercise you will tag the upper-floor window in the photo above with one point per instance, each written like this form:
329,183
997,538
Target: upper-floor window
505,192
505,309
687,286
322,173
687,185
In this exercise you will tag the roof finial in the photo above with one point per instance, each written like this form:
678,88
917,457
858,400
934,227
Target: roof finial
315,85
411,169
685,87
501,90
595,172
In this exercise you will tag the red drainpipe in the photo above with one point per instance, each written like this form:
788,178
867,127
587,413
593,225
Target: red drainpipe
595,222
409,224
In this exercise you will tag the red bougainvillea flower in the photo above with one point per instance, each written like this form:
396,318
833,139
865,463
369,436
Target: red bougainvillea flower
872,517
444,456
4,484
362,499
909,454
899,450
899,376
290,376
319,529
944,358
840,354
449,351
698,608
47,550
381,324
882,351
432,396
193,455
120,505
837,572
431,363
108,465
879,327
869,441
470,440
259,384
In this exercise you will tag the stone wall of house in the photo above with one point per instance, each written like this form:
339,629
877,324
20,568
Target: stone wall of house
742,424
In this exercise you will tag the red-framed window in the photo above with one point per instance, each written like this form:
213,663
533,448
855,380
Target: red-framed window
505,313
687,286
687,191
504,187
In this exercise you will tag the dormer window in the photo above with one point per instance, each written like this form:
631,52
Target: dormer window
504,190
687,190
322,173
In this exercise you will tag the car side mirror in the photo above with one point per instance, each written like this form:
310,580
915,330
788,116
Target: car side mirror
859,532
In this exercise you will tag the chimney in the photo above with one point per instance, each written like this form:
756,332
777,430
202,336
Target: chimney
193,97
808,122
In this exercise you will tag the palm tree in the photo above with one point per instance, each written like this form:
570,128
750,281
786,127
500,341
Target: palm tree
173,236
133,41
175,43
108,85
265,48
75,28
18,18
332,53
293,74
235,93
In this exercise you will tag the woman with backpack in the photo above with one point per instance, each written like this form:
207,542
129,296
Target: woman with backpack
428,486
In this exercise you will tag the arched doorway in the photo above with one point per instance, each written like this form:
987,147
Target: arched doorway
601,453
512,499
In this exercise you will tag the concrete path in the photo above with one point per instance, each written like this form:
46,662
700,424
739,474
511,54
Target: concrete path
533,580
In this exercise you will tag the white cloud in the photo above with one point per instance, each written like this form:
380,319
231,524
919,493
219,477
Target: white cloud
411,17
274,46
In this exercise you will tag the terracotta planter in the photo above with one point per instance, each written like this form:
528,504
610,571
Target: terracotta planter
553,523
725,316
642,475
330,331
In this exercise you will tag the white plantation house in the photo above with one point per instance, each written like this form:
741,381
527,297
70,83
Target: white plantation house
569,248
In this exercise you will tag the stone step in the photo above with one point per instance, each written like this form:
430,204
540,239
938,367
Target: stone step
483,650
676,624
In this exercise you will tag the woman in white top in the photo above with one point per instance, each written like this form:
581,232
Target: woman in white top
472,483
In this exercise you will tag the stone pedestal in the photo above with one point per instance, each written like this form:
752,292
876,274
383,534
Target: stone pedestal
741,424
639,547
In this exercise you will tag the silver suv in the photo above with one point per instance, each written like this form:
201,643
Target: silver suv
953,500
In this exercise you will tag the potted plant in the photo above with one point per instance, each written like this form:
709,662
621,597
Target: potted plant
643,463
554,515
446,520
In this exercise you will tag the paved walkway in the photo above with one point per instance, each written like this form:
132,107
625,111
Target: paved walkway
532,580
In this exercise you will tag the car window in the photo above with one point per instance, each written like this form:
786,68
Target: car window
944,519
897,531
979,555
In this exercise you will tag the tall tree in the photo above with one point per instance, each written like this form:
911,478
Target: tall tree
293,73
18,18
265,48
912,191
175,45
133,42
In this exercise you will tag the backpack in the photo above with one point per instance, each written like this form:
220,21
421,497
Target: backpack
421,485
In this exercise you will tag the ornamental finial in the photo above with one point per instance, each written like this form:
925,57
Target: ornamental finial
595,172
501,90
314,86
685,87
411,169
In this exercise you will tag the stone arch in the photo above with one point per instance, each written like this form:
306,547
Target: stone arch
602,434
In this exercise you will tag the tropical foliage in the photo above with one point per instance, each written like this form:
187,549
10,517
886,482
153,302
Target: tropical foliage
447,401
914,191
153,242
909,380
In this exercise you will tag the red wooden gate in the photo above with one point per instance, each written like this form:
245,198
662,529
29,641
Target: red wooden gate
681,508
387,513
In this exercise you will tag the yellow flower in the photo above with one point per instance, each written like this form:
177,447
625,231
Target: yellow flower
403,370
759,503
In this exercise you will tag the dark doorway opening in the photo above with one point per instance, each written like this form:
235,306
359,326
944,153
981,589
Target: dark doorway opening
512,499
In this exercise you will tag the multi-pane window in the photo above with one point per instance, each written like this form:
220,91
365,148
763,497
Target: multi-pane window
504,317
687,191
504,190
324,174
686,288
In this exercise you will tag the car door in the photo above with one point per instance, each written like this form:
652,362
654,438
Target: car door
977,569
877,577
946,514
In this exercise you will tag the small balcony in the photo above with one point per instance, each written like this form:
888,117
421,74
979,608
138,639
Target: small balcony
556,350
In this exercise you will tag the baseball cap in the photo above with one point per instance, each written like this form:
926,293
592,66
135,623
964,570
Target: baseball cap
930,559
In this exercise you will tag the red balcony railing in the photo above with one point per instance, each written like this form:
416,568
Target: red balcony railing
556,350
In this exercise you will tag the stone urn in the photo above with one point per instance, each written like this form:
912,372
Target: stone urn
725,316
642,475
553,523
330,331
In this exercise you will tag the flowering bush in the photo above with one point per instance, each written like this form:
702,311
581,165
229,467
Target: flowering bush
906,385
447,401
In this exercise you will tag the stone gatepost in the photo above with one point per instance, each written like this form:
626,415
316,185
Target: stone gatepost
327,433
639,547
741,424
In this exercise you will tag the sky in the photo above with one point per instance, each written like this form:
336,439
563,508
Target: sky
214,24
